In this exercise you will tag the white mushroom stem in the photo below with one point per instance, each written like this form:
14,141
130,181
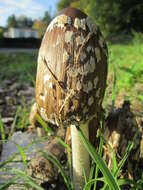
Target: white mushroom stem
80,157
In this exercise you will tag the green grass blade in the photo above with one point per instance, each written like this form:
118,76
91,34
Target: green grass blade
2,131
126,182
114,160
56,162
48,130
13,126
4,163
23,156
92,170
111,181
68,149
91,182
66,146
99,152
8,184
28,179
31,78
121,163
114,86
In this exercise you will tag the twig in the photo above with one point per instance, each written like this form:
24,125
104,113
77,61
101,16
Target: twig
54,77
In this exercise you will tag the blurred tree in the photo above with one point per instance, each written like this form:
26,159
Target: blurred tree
23,21
40,26
132,14
29,22
63,4
46,18
106,13
11,21
112,16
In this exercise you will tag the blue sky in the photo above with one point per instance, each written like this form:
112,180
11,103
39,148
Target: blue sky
30,8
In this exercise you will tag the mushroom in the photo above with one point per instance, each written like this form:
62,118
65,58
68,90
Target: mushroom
71,80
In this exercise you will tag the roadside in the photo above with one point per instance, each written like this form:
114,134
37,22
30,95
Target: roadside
19,50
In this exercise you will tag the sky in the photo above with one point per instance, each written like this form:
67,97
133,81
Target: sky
29,8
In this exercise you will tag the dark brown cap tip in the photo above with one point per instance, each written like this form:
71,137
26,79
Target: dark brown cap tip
73,13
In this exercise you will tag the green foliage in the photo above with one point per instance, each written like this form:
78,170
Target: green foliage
131,12
63,4
137,37
128,61
2,131
112,16
105,13
21,21
46,18
117,16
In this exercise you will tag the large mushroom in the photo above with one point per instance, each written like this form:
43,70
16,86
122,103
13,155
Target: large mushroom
71,80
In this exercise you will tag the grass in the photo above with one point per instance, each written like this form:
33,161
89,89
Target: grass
125,79
2,131
127,60
20,66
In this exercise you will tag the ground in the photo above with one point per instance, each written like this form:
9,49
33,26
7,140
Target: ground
17,79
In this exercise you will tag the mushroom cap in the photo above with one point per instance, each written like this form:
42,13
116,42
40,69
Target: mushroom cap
72,69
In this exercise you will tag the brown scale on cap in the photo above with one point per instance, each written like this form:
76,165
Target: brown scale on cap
72,69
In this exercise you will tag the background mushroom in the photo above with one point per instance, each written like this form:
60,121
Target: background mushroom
71,80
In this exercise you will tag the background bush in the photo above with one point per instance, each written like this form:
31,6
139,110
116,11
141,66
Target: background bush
112,16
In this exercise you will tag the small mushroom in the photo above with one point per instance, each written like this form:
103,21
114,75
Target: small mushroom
70,60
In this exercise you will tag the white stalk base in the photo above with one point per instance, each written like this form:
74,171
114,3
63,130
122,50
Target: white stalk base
80,157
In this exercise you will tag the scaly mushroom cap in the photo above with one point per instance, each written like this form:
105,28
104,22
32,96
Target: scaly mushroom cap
72,69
